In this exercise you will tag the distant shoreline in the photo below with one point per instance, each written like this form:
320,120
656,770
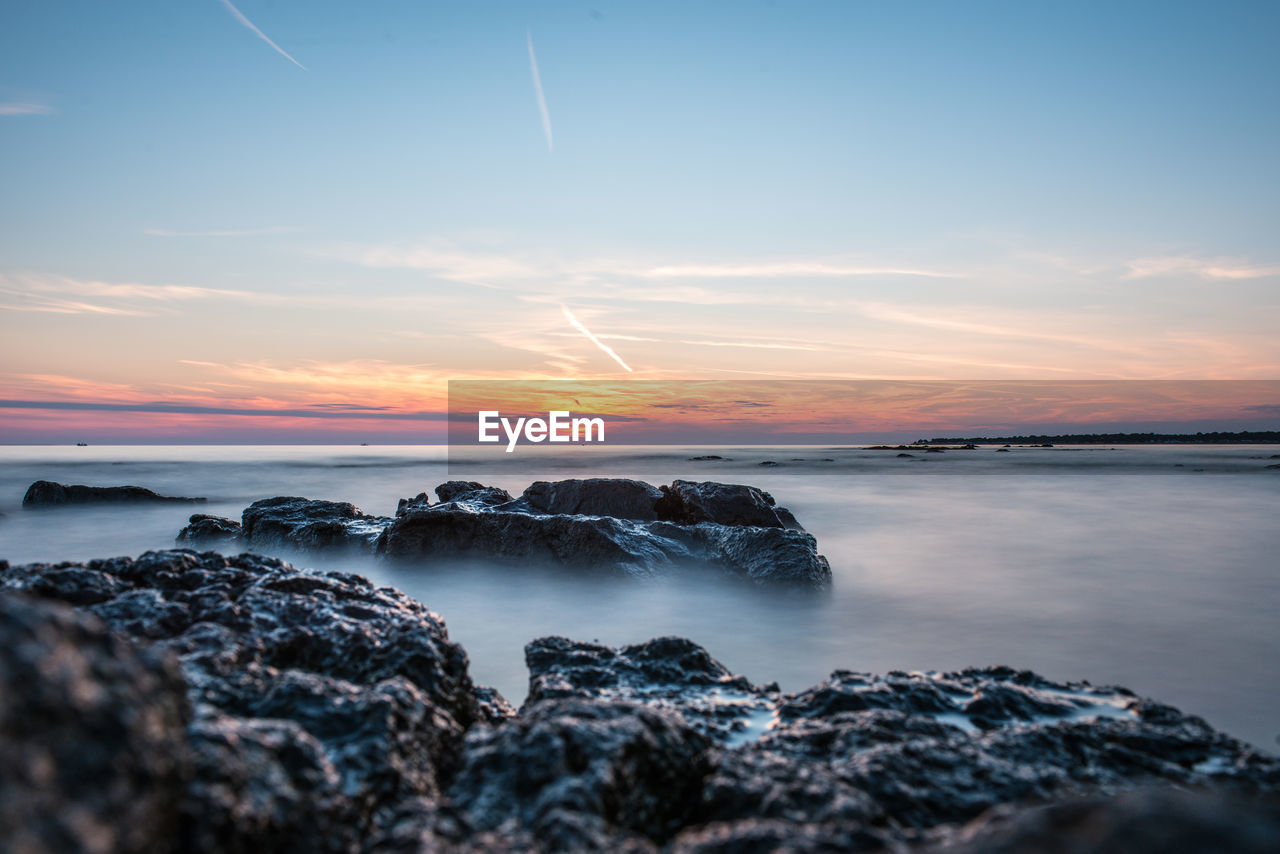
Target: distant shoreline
1244,437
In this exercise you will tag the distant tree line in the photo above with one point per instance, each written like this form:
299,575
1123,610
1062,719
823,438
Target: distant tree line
1218,438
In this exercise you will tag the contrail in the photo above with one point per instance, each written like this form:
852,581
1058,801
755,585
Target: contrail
260,34
577,324
542,99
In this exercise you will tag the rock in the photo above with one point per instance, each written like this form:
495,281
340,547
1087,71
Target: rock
92,735
45,493
316,712
669,673
686,503
1157,820
618,498
301,523
321,702
473,493
705,458
1002,450
604,525
582,775
767,463
600,544
205,529
906,455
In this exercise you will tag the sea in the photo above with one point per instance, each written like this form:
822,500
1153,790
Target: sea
1152,567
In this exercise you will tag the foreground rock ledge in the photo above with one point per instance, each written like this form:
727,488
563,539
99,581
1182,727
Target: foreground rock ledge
190,701
601,525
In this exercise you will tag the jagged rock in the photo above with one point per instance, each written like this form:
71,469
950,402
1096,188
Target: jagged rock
1157,820
687,503
618,498
45,493
668,673
324,714
320,701
92,735
301,523
768,556
583,775
602,525
205,529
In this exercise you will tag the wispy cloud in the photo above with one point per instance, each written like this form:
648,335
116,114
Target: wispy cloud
1208,268
318,410
577,324
247,232
63,295
537,89
786,269
24,108
239,16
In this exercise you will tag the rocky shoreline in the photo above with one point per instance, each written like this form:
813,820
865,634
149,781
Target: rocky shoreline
615,526
185,700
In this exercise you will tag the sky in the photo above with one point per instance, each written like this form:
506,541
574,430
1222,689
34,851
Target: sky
297,220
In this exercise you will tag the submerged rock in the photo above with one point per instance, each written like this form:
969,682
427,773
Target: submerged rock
608,526
204,529
46,493
302,523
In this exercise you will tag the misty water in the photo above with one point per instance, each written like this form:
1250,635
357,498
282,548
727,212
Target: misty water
1157,568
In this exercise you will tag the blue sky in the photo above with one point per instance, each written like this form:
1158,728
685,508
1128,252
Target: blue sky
905,189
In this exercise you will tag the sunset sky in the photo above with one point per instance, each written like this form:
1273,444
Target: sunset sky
296,220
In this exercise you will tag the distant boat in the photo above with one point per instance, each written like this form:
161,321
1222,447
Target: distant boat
82,444
364,444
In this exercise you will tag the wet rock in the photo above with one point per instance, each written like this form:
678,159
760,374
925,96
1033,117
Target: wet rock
618,498
583,775
686,502
320,702
472,493
668,673
92,735
1154,820
603,525
301,523
203,529
707,458
604,545
45,493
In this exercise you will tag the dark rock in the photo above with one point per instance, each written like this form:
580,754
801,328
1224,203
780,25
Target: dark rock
687,502
667,673
707,458
45,493
904,454
320,701
767,463
473,493
605,545
605,525
302,523
618,498
205,529
330,715
1154,820
1002,450
92,735
583,775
